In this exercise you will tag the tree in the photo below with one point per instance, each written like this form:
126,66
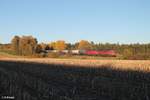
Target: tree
127,53
76,45
60,45
84,45
43,45
47,47
52,45
15,44
69,46
27,45
93,46
38,49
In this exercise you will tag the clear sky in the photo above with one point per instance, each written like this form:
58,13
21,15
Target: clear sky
124,21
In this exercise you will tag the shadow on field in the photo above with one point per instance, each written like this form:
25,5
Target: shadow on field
34,81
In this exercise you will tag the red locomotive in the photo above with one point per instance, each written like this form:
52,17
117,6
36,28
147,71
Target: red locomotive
101,52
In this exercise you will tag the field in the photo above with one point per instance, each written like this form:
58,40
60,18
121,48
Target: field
74,79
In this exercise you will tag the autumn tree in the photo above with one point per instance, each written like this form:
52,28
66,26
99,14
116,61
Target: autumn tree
24,45
76,45
43,45
52,45
60,45
84,45
47,47
38,48
68,46
15,44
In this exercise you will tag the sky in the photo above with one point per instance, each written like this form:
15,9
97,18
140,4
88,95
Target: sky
113,21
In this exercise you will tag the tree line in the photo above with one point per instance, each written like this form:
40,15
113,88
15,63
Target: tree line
28,45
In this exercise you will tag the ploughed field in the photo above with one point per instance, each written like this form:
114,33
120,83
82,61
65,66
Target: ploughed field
62,79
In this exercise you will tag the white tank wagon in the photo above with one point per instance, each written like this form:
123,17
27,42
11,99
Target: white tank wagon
75,52
50,51
64,51
78,52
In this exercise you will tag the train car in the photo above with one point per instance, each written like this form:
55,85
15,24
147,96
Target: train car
55,51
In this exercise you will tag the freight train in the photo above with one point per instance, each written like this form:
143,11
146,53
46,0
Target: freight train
86,52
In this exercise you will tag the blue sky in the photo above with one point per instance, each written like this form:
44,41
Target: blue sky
124,21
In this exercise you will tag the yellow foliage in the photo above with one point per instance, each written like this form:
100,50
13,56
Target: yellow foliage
84,45
58,45
52,45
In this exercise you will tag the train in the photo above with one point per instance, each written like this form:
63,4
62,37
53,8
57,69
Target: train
111,53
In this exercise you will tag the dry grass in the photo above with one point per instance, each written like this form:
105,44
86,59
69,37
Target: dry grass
51,79
137,65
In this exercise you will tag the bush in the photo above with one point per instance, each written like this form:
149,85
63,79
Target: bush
8,52
39,55
140,57
67,56
137,57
